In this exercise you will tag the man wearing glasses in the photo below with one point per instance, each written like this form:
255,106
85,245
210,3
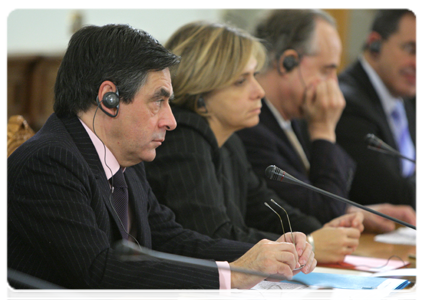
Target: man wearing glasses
380,90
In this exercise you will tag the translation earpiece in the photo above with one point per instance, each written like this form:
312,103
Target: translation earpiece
201,104
289,63
110,100
375,46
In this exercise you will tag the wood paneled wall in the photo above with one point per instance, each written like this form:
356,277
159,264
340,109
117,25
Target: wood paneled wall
342,17
30,84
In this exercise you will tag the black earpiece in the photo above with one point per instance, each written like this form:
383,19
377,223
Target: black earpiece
375,46
201,104
110,100
289,63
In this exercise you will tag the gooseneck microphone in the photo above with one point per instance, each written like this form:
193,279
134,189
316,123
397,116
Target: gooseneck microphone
277,174
128,251
376,144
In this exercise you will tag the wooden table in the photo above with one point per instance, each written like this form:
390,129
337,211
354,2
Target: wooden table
368,247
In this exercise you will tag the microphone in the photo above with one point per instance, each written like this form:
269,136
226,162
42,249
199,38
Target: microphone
128,251
376,144
277,174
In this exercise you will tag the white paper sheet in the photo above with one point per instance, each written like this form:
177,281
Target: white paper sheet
403,236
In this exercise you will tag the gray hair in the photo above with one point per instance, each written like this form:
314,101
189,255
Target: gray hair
287,29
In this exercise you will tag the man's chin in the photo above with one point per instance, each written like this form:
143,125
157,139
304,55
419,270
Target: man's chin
408,92
150,156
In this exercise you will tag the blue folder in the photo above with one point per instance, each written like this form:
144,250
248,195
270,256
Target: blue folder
342,281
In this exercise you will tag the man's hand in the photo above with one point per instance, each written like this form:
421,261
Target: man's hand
338,238
323,106
332,244
273,258
353,219
377,224
304,251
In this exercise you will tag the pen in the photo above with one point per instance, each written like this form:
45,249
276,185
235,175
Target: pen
411,255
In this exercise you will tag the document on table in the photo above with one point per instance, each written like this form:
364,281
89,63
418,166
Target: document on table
273,291
294,291
368,264
398,273
358,295
341,281
403,236
335,281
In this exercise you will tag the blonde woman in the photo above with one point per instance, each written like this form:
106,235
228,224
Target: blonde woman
201,171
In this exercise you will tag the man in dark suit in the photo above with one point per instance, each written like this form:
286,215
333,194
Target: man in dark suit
79,186
380,91
300,111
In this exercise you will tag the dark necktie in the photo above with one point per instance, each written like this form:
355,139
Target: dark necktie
120,200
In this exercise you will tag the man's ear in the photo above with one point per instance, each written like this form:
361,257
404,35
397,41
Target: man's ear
288,61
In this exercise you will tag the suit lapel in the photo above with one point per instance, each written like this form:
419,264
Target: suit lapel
88,151
283,143
300,128
373,104
138,199
268,120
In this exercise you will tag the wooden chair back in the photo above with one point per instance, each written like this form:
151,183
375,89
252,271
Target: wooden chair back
18,131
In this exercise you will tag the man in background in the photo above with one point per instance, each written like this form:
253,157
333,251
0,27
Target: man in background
300,111
380,89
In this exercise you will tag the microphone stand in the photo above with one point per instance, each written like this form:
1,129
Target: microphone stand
390,153
44,286
275,173
376,144
129,251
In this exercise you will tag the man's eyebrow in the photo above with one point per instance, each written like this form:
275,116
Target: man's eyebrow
331,66
409,44
162,92
413,43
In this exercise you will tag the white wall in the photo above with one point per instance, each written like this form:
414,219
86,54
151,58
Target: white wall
47,31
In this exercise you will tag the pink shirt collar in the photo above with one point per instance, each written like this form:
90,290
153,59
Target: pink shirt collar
108,160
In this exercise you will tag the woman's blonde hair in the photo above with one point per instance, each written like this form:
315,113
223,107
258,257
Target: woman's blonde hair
212,56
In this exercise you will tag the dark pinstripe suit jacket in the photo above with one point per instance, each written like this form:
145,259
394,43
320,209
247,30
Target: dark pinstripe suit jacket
214,190
61,228
331,168
378,178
